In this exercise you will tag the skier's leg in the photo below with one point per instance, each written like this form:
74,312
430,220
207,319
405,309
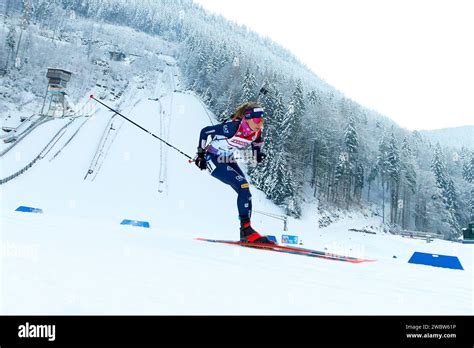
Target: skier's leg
245,196
232,175
247,233
228,174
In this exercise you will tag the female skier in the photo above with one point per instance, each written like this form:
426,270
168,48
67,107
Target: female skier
243,131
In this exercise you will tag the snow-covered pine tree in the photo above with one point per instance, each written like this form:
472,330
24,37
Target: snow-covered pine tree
293,138
313,98
374,171
10,43
383,166
468,169
393,166
446,191
439,168
408,177
23,24
341,175
351,139
359,181
249,87
351,144
468,175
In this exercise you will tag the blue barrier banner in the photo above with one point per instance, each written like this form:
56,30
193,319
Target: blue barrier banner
443,261
286,239
29,210
137,223
272,238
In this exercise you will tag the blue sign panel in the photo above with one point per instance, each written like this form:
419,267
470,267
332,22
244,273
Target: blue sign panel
29,210
435,260
144,224
272,238
286,239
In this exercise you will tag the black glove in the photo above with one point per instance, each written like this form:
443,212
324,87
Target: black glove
260,157
200,160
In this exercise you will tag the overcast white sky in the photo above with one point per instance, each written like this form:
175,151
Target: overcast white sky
411,60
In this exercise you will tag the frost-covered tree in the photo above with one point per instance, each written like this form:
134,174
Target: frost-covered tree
468,175
383,165
291,132
23,24
468,169
446,190
351,139
393,171
408,179
355,177
276,178
10,43
249,87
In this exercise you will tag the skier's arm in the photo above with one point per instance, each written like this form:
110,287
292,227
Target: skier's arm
225,129
259,155
257,144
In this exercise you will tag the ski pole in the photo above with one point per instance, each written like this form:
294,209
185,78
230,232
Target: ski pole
136,124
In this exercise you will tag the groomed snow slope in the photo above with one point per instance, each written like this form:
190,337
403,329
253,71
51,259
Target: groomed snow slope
76,258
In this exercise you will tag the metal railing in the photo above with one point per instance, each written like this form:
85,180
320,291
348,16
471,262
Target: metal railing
23,134
43,119
428,236
40,155
275,216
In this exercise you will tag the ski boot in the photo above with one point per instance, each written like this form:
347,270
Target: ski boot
249,235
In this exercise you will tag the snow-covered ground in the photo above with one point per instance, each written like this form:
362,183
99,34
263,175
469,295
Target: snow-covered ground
76,257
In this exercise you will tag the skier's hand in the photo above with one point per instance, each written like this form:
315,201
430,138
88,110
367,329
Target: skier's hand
261,157
200,161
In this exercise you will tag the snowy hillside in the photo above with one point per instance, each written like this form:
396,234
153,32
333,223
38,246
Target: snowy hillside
321,146
76,257
454,137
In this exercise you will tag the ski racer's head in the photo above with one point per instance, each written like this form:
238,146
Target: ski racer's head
252,113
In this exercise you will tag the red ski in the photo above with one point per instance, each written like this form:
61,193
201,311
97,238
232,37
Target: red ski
291,250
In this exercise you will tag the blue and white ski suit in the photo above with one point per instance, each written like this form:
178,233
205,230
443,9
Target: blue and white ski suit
228,138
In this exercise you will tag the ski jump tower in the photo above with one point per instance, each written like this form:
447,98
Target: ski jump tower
54,97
